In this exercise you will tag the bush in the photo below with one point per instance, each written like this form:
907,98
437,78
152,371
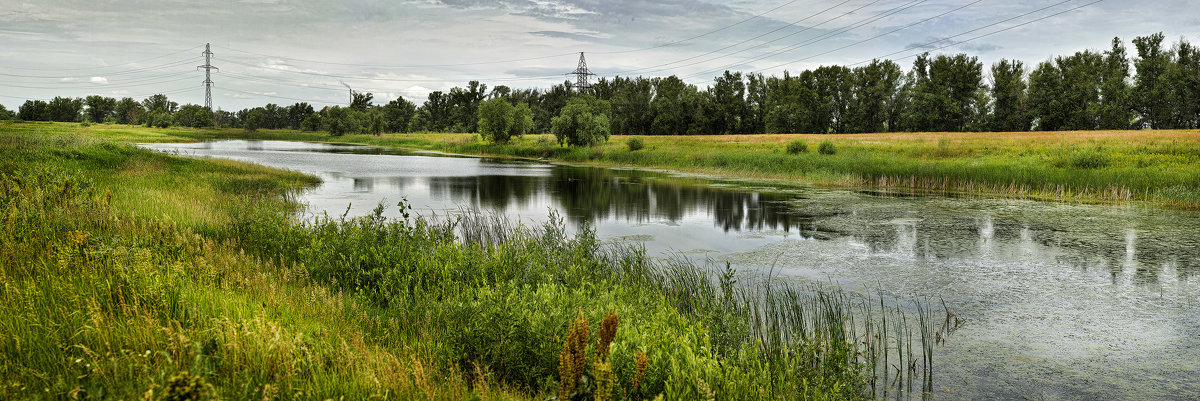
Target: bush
1089,159
827,147
635,144
797,147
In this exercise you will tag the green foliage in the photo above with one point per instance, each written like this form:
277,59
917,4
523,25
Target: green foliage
254,119
6,114
311,123
194,116
635,144
827,147
797,146
183,387
1088,159
583,122
157,118
500,121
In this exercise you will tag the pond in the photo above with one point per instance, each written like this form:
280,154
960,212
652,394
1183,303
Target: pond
1061,301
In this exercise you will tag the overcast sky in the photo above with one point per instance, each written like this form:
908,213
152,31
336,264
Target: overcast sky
284,51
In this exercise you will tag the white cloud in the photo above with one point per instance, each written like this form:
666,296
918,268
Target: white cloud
99,80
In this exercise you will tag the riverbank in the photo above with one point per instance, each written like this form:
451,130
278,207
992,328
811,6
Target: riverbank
1161,167
128,274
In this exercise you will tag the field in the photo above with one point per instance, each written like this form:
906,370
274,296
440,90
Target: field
130,274
1161,168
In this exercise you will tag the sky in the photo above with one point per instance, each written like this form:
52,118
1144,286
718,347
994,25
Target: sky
287,51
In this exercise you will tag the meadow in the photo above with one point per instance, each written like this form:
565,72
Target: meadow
1156,167
131,274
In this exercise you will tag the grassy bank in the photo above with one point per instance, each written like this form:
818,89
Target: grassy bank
129,274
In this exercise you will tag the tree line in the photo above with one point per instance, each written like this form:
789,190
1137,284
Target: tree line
945,93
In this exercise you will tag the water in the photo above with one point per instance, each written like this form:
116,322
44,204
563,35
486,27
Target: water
1061,301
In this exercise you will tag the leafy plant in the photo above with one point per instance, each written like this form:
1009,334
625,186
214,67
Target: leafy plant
827,148
797,146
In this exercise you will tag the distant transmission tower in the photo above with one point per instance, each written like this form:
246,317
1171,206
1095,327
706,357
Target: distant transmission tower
208,67
581,74
350,89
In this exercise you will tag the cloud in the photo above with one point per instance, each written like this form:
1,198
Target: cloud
99,80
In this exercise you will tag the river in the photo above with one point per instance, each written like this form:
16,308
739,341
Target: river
1060,301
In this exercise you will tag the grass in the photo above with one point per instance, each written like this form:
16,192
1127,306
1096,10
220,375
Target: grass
1160,167
130,274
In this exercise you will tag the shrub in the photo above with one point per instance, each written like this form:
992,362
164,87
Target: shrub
499,121
1089,159
635,144
827,147
797,147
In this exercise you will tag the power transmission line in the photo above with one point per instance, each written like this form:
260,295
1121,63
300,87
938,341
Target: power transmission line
653,68
703,34
811,41
106,66
874,37
125,72
979,29
986,34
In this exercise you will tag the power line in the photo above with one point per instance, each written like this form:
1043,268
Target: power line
703,34
653,68
102,67
981,28
874,37
398,66
361,78
986,34
810,41
125,72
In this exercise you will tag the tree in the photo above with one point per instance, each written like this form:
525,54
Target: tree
1045,83
361,101
583,122
1116,112
159,102
873,86
1151,90
193,115
128,111
1010,110
6,114
254,119
64,109
99,108
499,120
397,114
34,110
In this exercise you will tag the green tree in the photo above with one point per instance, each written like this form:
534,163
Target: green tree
500,121
34,110
1116,112
583,122
1010,106
193,115
65,109
254,119
1152,90
129,111
397,114
6,114
1045,85
361,101
873,87
100,108
159,102
1184,76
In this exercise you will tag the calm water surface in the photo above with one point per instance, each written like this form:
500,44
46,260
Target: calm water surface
1061,301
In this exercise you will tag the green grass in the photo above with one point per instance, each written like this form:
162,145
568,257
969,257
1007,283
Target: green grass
1156,167
129,274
